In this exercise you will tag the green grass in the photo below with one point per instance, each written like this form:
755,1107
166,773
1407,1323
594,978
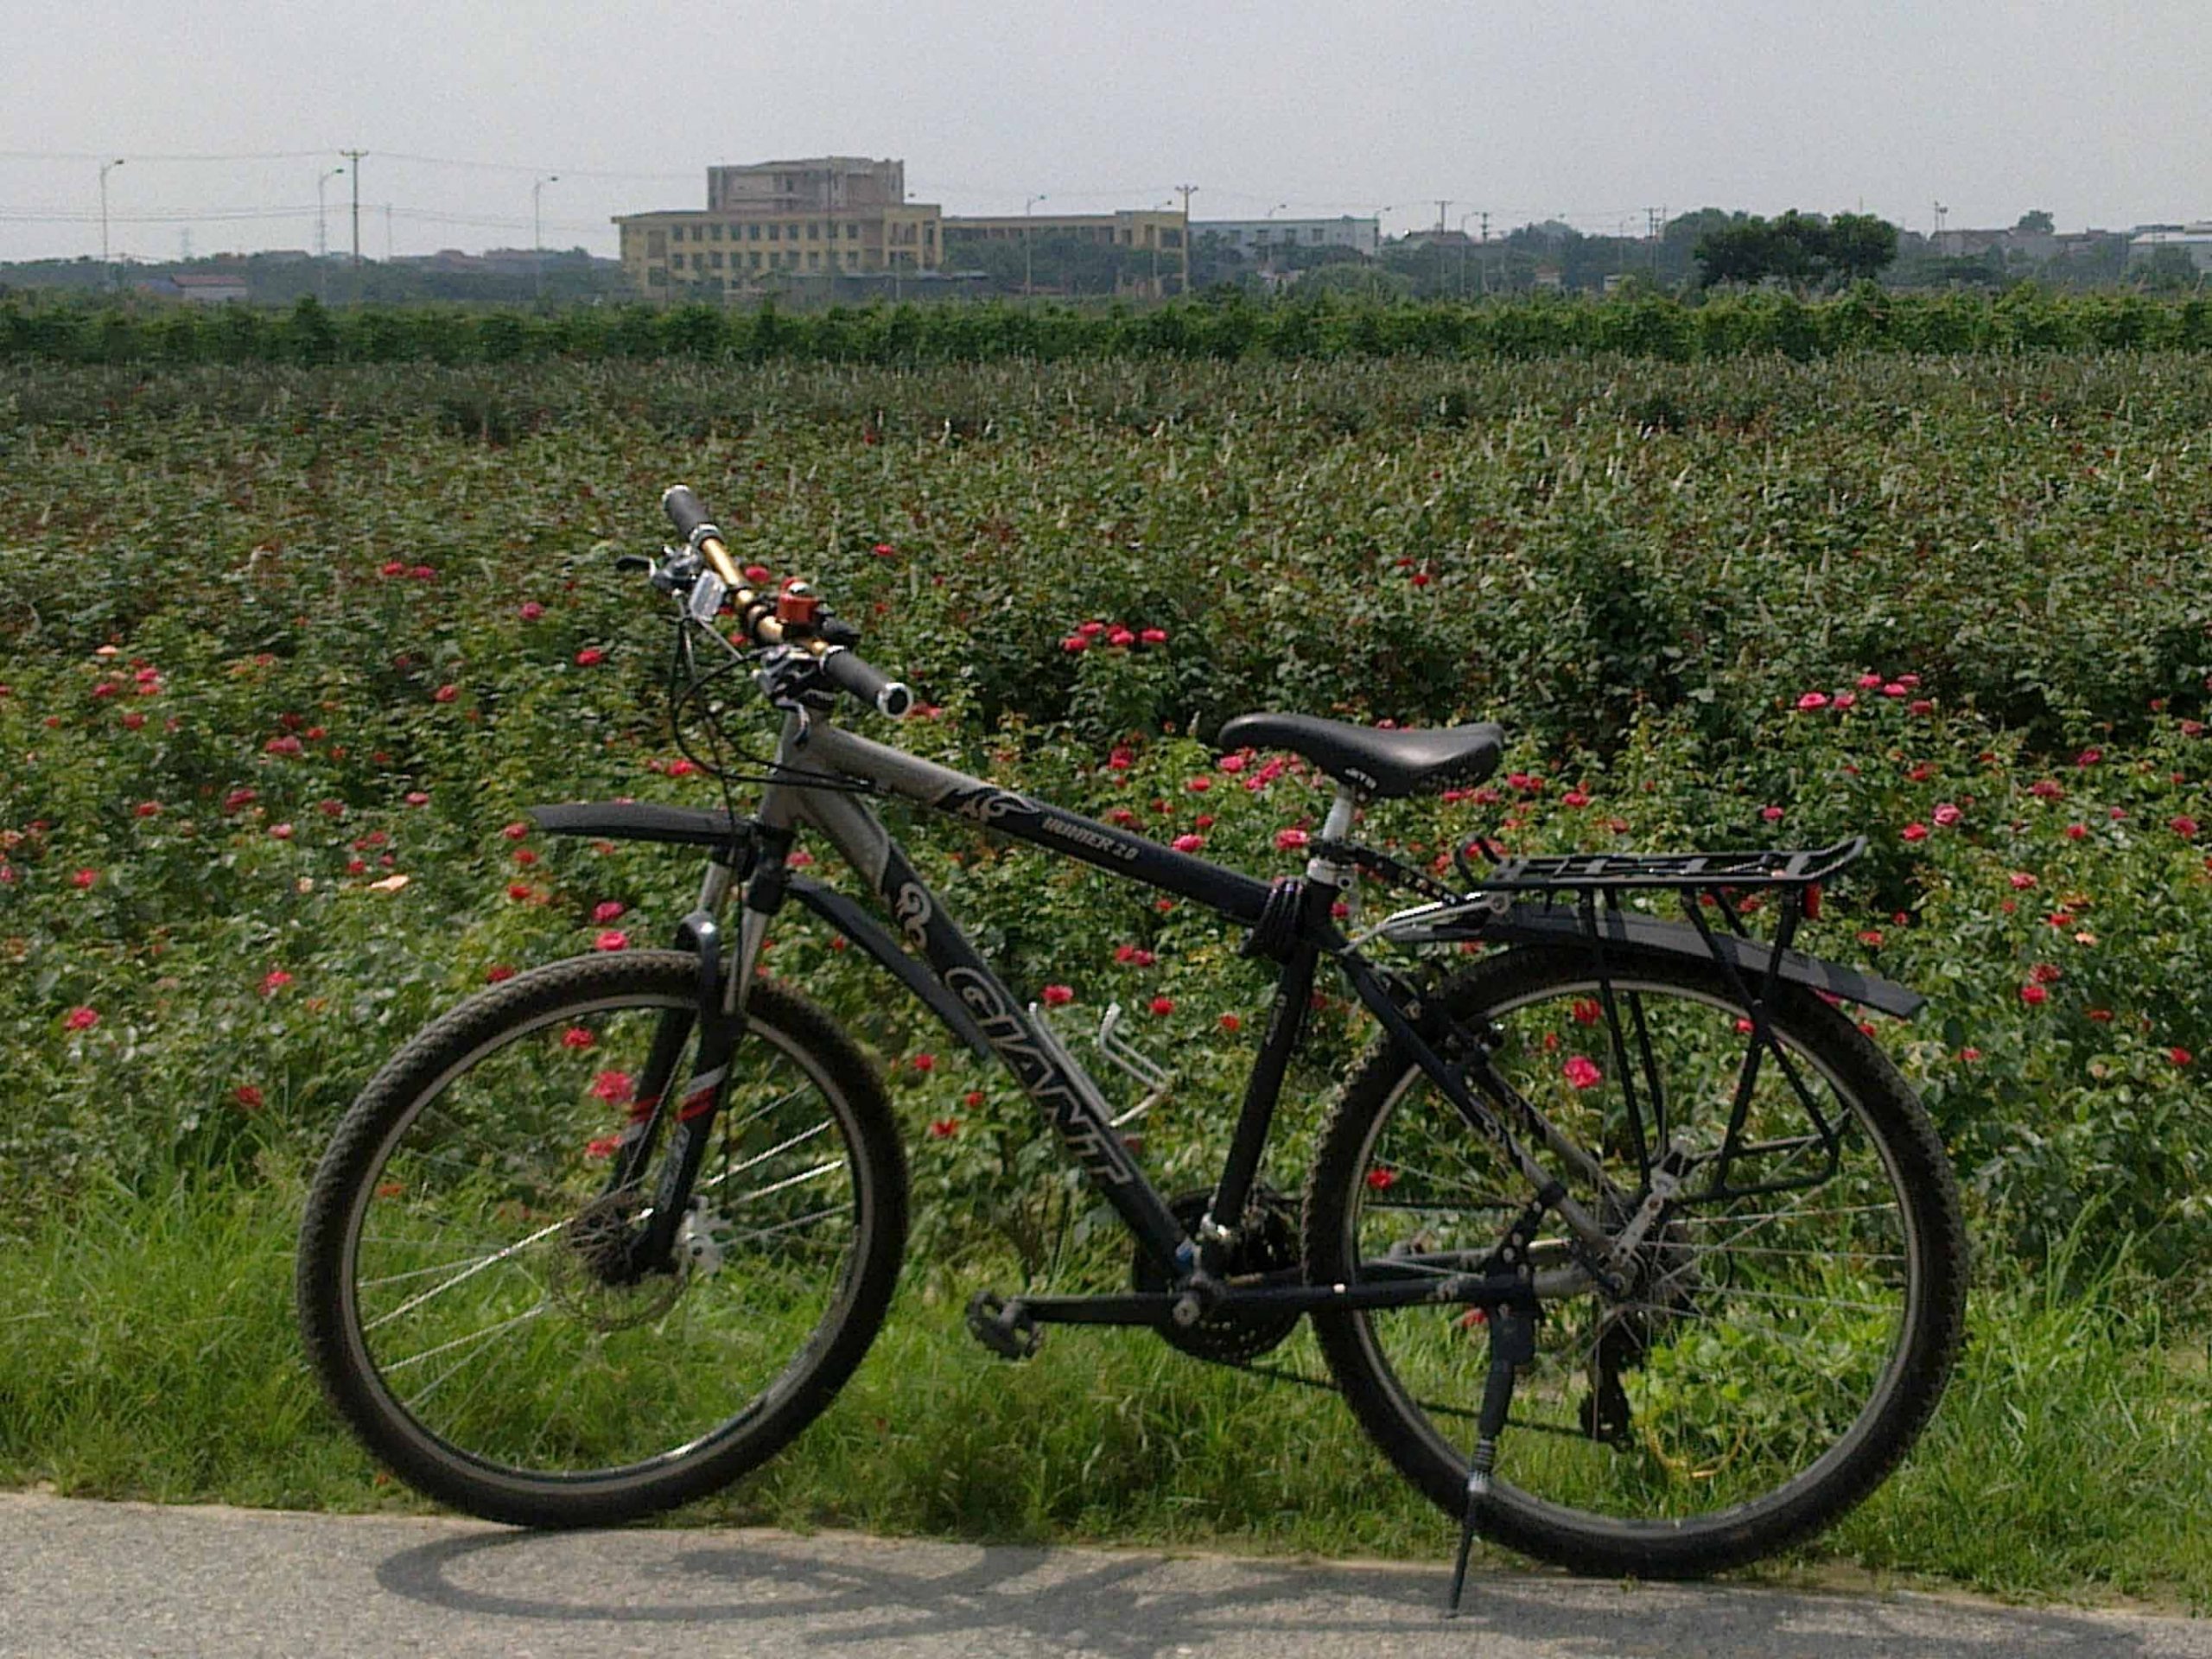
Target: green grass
147,1350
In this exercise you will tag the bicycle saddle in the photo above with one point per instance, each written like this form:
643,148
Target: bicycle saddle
1381,763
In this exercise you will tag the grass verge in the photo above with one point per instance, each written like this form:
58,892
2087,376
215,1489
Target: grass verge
147,1350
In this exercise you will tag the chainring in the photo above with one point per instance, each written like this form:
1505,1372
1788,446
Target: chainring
1267,1241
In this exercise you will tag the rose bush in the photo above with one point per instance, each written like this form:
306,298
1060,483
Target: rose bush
1977,635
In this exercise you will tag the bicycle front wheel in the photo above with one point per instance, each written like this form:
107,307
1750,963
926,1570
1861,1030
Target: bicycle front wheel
460,1276
1793,1317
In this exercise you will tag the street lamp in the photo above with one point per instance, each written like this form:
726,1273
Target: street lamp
1027,208
106,167
1472,213
322,229
538,231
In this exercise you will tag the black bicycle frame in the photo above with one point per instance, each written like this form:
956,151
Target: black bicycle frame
822,771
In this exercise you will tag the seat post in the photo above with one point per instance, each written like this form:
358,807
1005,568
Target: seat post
1335,827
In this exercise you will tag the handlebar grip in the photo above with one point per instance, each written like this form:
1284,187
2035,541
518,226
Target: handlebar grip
684,510
867,682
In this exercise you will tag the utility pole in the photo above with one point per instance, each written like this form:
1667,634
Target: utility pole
387,232
1186,191
353,157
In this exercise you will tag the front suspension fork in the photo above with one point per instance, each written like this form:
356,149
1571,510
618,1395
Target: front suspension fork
718,1017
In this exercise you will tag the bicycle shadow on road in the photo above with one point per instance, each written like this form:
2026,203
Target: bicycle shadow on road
841,1590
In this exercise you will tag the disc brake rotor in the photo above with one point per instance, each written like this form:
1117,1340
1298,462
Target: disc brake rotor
589,1272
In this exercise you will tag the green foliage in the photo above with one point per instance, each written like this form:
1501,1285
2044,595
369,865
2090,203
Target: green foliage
1337,310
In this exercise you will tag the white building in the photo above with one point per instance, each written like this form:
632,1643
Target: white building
2196,241
1260,237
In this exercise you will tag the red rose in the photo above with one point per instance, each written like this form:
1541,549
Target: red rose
1163,1005
1059,996
2032,994
609,911
81,1019
1229,1022
590,656
1915,832
613,939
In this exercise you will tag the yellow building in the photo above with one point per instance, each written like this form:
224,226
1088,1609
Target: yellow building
772,220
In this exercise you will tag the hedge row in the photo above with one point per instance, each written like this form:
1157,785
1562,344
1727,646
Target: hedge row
1643,325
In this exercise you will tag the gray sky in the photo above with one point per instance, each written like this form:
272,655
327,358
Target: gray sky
1593,113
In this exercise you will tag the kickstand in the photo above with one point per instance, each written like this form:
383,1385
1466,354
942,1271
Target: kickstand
1512,1344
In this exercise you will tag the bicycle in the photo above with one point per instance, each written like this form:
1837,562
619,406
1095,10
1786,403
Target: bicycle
1625,1244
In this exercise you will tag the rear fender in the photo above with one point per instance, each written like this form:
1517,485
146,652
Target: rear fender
1526,923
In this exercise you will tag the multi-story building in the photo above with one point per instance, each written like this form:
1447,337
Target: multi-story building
1162,232
825,216
1261,237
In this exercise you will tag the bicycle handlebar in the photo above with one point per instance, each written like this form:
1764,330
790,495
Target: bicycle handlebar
689,514
766,621
866,681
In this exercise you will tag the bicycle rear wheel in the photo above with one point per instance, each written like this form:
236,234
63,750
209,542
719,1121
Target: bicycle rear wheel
460,1277
1781,1348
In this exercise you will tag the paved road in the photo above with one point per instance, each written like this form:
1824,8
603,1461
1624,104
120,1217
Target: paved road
94,1579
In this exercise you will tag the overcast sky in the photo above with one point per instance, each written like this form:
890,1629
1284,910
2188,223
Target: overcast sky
2093,109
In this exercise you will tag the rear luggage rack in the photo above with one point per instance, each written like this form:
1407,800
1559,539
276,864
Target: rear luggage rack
1582,872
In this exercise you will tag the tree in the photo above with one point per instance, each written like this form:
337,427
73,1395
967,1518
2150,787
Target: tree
2038,221
1859,245
1796,248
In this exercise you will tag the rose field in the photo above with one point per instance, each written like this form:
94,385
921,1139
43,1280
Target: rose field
286,650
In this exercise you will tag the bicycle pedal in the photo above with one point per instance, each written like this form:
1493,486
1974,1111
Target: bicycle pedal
1006,1328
